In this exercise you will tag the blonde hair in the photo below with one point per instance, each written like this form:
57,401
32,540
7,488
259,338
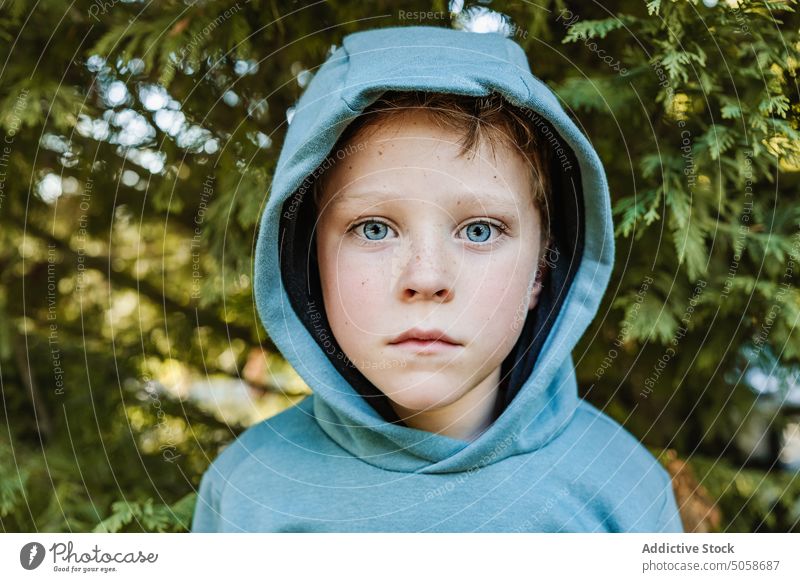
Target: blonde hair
477,119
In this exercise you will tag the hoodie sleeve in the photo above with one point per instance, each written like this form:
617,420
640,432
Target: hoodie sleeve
209,513
207,509
669,520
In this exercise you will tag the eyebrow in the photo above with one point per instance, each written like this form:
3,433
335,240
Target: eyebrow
343,200
485,200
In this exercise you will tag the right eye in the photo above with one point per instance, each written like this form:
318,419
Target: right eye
372,230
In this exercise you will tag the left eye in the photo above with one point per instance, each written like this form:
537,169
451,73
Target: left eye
479,231
374,230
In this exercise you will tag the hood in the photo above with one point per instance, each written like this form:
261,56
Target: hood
539,392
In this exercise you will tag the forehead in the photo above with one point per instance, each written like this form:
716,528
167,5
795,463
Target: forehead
409,154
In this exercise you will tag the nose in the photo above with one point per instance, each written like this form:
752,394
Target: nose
424,271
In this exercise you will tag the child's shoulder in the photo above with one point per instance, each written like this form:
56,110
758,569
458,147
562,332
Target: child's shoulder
284,426
602,437
243,461
630,485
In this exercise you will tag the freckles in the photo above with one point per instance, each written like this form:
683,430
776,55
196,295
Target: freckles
357,287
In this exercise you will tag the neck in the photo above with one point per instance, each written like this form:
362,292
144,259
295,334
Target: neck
465,419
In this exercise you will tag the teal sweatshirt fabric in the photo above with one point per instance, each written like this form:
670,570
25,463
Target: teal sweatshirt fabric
339,461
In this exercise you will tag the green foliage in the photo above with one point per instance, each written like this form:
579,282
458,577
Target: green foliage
596,28
150,518
751,499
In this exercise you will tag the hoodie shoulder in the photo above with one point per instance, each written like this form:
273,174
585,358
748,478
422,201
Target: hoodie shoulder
637,486
208,509
610,436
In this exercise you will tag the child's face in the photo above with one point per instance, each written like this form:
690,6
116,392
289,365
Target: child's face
408,238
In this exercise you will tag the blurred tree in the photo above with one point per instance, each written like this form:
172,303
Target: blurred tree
138,141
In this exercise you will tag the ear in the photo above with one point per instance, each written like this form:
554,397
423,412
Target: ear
538,284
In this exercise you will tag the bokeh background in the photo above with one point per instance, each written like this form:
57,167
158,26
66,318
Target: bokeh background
137,141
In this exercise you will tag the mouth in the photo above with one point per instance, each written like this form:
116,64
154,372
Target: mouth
425,341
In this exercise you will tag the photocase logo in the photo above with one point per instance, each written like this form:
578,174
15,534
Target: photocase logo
31,555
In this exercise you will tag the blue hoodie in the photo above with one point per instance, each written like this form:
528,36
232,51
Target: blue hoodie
340,461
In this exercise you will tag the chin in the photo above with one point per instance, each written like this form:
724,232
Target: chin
424,395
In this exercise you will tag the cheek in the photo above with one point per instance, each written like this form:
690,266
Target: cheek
499,295
499,281
354,287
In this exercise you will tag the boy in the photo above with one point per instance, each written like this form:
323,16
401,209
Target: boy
437,239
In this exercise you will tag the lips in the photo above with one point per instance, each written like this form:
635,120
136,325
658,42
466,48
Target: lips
422,337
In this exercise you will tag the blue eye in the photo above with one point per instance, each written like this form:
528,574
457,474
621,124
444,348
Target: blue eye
374,230
479,231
